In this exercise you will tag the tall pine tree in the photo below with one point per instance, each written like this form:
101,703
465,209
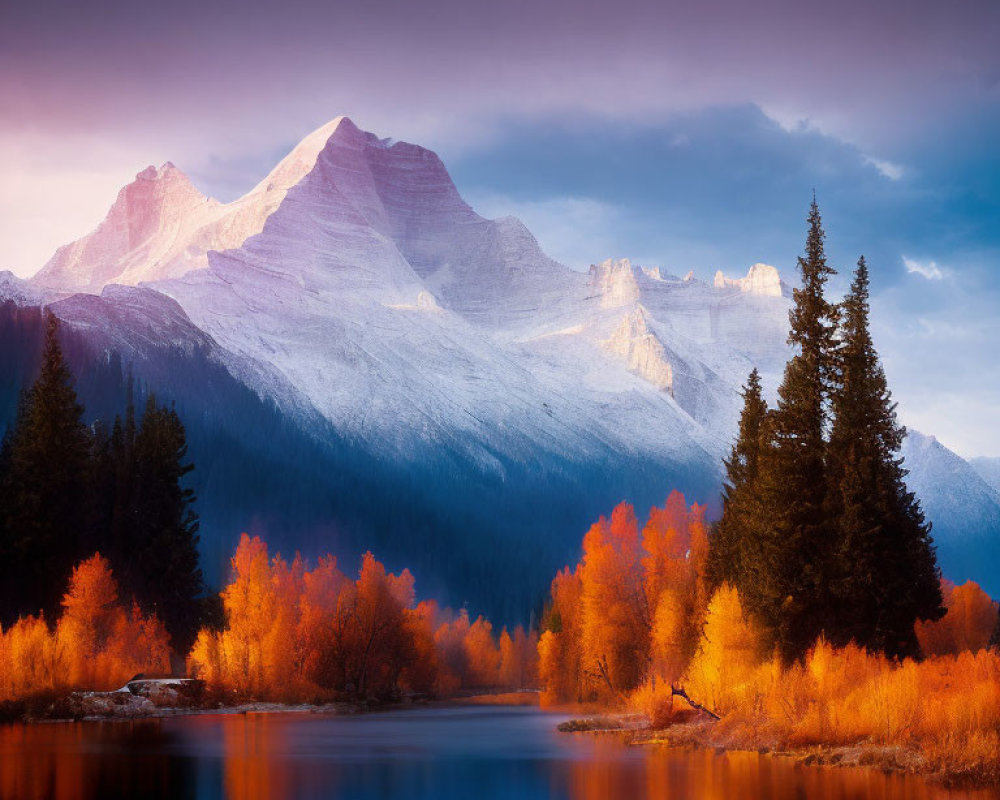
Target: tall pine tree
788,587
160,552
731,548
44,487
886,573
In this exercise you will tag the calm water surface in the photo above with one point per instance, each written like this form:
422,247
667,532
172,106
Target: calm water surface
438,754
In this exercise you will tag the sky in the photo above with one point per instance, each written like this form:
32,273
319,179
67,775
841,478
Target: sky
687,135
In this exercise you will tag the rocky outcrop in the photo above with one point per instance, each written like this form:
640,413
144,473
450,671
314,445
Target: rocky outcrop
615,281
762,280
641,350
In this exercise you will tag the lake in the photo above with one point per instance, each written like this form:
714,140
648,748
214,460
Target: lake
476,752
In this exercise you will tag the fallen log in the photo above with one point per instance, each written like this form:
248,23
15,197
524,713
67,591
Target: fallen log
678,691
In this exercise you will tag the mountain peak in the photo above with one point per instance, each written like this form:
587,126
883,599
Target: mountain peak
166,172
159,201
761,279
302,158
616,281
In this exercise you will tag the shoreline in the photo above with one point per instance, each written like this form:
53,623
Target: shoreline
699,734
632,729
123,706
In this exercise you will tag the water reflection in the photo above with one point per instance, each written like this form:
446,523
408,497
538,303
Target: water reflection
707,776
483,753
72,761
252,770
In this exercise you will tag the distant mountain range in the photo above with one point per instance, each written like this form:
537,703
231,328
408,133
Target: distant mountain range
364,361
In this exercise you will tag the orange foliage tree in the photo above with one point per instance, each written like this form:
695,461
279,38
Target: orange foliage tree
628,598
968,623
615,618
298,633
104,644
727,655
97,643
482,655
630,611
560,670
676,542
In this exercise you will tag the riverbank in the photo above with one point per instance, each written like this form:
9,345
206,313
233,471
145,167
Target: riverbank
953,764
193,697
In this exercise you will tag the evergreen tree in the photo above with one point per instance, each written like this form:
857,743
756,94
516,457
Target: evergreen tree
886,572
44,487
159,549
122,518
731,548
789,587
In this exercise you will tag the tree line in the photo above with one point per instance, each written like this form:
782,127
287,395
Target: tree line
292,632
98,641
69,490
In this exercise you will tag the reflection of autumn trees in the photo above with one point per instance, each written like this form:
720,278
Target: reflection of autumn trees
298,633
97,643
256,757
88,761
670,773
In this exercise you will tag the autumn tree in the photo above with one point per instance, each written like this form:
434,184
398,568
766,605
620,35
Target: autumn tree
631,611
31,659
518,659
376,648
728,653
294,632
675,544
420,672
449,640
323,589
249,603
886,574
968,624
560,647
615,618
482,656
103,642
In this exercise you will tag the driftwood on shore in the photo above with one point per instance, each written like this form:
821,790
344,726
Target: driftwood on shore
678,691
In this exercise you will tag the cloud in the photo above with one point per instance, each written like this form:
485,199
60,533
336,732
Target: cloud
927,269
893,172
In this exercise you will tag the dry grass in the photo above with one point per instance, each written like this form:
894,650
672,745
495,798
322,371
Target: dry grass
940,716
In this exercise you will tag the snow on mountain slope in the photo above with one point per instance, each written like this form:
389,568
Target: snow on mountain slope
405,360
964,509
161,226
150,227
354,285
18,291
988,469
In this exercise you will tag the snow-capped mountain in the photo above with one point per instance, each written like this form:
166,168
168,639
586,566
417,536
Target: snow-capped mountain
357,291
988,469
964,509
375,295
